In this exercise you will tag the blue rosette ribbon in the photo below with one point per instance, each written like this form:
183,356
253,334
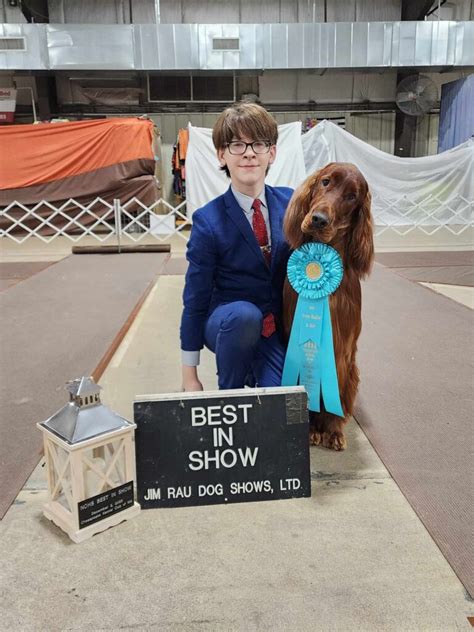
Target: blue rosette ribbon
315,271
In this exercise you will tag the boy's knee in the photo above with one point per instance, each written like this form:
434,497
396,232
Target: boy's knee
246,314
246,320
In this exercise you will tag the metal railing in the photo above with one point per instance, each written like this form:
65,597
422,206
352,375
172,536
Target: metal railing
134,220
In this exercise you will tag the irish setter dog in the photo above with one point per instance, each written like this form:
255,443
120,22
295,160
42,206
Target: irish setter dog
332,206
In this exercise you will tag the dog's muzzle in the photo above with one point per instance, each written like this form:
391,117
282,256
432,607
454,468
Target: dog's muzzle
320,220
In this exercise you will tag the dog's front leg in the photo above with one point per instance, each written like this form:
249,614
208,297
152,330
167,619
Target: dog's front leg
327,430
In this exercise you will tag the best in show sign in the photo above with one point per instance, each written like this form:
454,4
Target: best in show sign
208,448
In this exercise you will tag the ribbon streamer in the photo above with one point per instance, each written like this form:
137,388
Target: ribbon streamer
315,271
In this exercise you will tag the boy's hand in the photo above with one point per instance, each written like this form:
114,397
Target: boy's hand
191,381
192,386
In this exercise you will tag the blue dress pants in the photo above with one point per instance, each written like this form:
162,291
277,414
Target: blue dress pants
243,355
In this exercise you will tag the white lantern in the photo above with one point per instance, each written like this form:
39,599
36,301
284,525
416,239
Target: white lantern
90,464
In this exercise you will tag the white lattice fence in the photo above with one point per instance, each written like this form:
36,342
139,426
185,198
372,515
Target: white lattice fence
428,215
138,220
47,221
134,220
98,219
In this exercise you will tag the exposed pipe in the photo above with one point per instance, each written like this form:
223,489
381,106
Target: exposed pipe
157,12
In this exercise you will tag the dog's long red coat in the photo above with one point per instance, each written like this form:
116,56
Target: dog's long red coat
340,193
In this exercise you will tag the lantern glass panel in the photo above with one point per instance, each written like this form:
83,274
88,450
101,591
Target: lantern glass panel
104,467
60,471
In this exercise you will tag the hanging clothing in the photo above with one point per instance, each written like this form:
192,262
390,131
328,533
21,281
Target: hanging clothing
178,161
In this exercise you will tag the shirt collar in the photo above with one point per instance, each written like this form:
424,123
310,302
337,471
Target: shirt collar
245,201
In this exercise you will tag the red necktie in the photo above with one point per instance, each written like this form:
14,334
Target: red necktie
261,235
260,230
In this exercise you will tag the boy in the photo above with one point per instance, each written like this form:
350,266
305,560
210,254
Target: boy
237,260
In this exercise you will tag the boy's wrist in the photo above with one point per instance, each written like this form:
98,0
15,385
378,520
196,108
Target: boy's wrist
191,380
190,358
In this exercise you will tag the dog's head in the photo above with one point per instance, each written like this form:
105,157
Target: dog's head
332,206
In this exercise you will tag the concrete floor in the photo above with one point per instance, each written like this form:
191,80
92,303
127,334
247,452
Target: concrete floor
354,556
460,294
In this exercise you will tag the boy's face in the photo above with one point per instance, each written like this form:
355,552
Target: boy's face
247,170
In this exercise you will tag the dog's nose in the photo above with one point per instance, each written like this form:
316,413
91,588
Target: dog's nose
320,220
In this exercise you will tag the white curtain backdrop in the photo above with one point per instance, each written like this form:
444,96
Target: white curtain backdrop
431,190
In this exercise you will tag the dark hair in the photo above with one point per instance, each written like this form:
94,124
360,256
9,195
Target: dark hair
244,119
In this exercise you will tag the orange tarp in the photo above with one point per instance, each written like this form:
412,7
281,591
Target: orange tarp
34,154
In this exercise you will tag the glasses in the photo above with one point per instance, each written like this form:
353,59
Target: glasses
238,147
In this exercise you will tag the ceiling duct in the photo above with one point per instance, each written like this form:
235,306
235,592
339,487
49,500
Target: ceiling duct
430,45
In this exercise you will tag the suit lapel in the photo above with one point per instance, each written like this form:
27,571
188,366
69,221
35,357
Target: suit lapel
238,217
275,223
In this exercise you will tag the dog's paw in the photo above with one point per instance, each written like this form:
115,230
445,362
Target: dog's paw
334,440
315,437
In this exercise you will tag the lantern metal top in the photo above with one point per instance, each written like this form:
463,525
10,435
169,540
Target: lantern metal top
84,417
83,386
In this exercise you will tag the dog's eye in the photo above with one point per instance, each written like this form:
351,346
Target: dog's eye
351,197
325,182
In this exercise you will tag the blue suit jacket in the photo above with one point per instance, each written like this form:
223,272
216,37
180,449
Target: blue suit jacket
226,263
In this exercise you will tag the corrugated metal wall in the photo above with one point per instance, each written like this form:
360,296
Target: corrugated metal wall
240,11
104,12
11,14
426,137
377,129
288,87
223,11
330,87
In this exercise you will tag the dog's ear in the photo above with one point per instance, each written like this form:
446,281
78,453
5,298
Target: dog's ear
298,206
361,244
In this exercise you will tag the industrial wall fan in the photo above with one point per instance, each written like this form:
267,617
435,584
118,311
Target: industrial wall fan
416,95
